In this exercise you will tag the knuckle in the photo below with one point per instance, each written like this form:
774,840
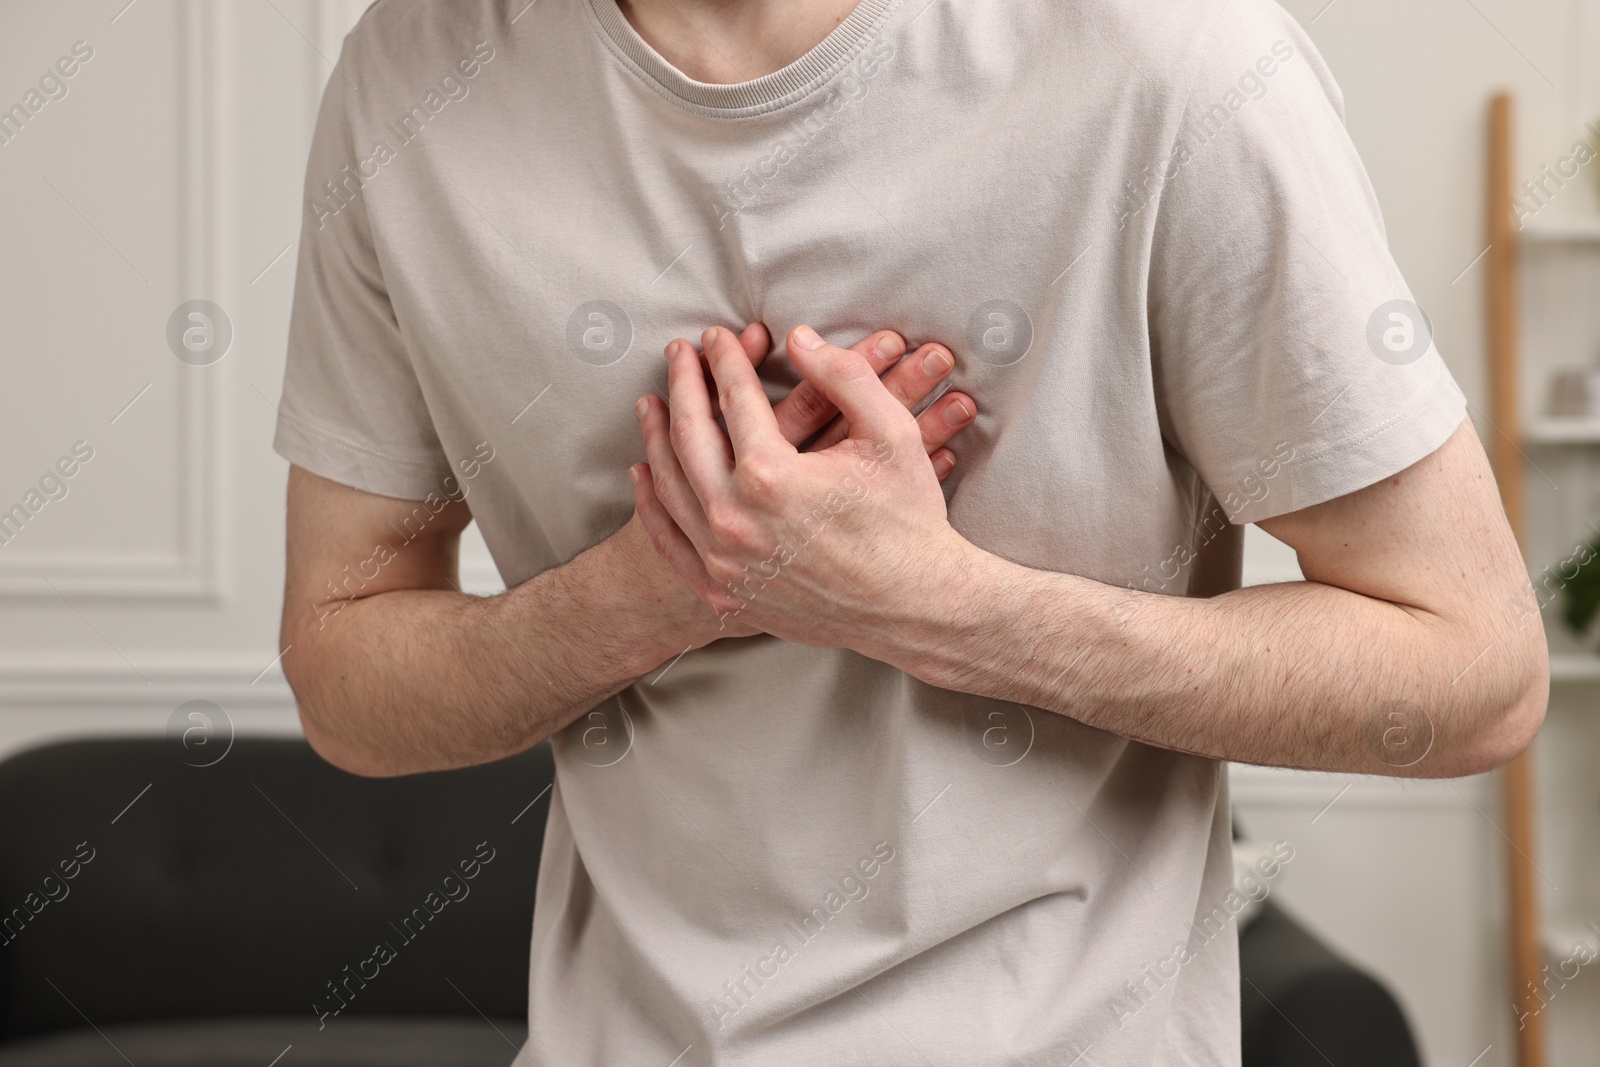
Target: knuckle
723,521
761,474
681,435
724,603
736,535
851,368
906,390
810,405
725,571
901,439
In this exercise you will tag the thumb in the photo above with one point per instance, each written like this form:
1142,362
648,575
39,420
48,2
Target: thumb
849,382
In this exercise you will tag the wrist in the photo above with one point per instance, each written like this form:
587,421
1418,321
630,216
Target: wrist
947,617
1010,632
650,614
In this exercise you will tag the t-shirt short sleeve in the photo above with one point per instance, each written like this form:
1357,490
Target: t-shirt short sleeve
1291,365
352,410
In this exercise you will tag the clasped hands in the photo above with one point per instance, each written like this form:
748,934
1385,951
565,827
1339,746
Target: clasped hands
818,519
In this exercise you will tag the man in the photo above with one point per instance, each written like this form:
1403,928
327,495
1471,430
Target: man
853,770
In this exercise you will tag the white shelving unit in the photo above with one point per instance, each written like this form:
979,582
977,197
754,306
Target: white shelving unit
1574,668
1549,430
1560,231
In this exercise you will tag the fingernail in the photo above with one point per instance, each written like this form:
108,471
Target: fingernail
957,413
943,464
937,364
891,347
641,408
633,474
707,337
805,337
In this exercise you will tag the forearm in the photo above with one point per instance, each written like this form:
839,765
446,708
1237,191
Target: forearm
1301,674
425,679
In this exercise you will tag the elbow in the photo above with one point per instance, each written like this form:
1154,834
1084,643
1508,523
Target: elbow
345,753
346,757
1517,725
1508,726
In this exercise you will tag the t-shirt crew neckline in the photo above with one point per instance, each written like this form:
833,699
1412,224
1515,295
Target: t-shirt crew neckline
782,86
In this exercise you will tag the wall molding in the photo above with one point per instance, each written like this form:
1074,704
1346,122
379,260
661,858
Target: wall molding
192,571
107,681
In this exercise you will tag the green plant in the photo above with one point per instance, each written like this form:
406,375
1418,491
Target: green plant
1580,594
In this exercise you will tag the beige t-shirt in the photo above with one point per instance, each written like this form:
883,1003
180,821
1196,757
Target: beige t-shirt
1143,229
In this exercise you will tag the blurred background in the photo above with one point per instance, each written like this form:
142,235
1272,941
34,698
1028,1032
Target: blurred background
167,168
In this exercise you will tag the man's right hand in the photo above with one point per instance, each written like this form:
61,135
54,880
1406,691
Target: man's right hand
807,420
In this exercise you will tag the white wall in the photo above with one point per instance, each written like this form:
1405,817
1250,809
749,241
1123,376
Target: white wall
171,171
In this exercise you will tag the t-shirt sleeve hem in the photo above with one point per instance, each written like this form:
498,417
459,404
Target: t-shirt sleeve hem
1362,460
359,466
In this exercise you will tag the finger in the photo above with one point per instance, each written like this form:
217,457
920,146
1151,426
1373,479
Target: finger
847,380
807,409
910,382
702,449
757,344
666,536
670,485
944,418
751,424
944,462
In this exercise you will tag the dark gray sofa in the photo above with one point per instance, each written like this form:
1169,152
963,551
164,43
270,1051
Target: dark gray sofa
218,904
221,901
